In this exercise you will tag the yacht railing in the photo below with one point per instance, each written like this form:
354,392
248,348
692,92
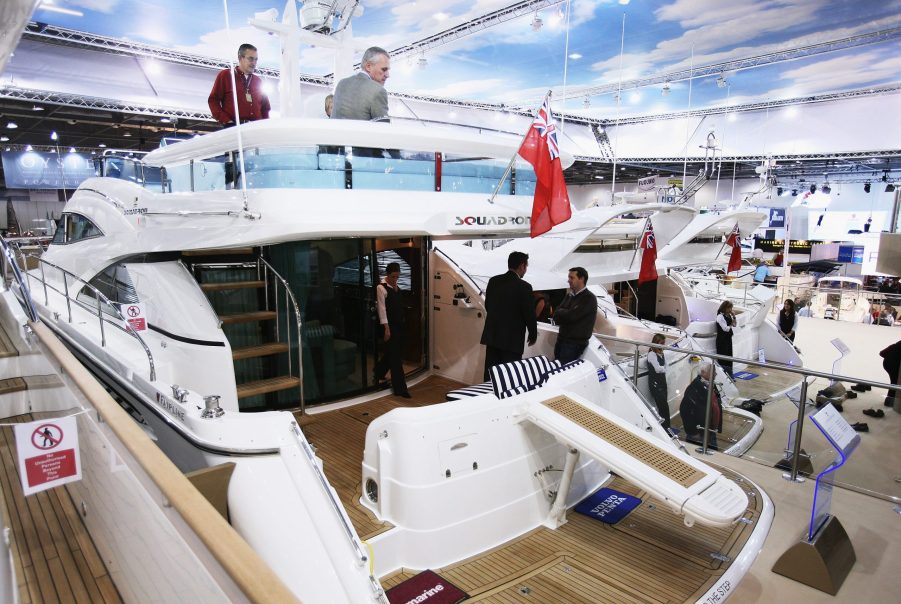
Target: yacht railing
26,301
264,271
101,299
804,373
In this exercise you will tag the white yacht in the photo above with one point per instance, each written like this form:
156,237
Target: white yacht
237,325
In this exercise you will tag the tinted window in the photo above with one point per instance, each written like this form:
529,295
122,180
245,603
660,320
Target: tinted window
115,284
78,227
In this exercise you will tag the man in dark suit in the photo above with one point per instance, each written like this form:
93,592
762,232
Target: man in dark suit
694,408
510,311
362,96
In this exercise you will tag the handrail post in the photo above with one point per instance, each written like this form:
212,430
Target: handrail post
799,427
635,367
288,329
66,292
100,318
43,280
278,337
703,449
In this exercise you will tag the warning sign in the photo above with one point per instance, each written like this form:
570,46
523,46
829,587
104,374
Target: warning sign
48,453
134,314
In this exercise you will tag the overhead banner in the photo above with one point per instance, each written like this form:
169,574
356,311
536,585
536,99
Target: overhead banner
45,170
647,184
777,218
48,453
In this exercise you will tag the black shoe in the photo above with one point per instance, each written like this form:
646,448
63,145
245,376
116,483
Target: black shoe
889,402
838,407
851,395
874,412
860,427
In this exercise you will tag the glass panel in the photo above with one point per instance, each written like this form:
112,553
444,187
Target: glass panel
525,178
465,174
115,284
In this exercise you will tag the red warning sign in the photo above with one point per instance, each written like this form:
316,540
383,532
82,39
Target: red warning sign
48,453
134,314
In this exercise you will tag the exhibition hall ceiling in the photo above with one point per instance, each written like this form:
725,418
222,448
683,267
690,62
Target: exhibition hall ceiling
515,62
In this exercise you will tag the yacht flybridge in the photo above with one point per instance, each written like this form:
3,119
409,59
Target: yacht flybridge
237,325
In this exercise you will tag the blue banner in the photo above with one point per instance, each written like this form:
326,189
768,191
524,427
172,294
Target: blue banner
46,170
777,218
608,505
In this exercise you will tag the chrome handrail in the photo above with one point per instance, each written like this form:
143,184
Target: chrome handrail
26,302
128,329
289,296
805,373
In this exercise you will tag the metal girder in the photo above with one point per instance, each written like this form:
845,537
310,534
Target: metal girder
814,98
41,32
478,24
97,103
793,54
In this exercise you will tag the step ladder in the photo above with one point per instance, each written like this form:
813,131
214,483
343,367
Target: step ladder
688,487
250,298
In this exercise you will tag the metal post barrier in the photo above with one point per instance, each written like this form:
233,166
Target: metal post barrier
703,448
796,451
68,301
635,367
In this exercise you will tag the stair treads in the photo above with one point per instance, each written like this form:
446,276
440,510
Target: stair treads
271,385
248,317
7,348
248,352
226,285
11,385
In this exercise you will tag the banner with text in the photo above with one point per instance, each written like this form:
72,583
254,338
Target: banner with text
46,170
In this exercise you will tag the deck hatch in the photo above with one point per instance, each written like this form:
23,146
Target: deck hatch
665,463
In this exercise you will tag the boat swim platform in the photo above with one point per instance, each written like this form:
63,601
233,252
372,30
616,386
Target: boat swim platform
54,557
650,556
769,382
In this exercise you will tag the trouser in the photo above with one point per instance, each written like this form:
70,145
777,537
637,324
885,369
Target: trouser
392,359
662,406
566,350
496,356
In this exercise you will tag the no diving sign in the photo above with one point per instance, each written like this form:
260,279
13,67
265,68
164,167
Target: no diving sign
48,453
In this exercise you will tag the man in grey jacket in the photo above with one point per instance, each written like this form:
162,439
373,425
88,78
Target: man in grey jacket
362,96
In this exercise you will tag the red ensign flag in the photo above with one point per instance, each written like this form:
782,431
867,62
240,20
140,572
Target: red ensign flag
539,148
735,257
648,244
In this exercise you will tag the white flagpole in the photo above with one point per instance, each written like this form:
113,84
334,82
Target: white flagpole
547,99
647,221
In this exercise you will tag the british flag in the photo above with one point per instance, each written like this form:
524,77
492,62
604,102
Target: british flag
547,127
539,147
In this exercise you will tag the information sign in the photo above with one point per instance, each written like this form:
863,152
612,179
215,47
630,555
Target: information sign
48,453
842,436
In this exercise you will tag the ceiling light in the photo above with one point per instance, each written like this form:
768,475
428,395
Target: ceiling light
29,148
165,120
866,188
884,174
71,149
575,56
126,134
537,22
586,103
440,16
11,125
794,192
54,136
889,188
102,145
3,139
826,188
37,108
665,90
599,177
779,191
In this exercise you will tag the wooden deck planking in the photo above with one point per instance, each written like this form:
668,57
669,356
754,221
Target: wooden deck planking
649,553
54,557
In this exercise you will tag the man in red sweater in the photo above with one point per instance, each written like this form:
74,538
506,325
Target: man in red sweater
252,102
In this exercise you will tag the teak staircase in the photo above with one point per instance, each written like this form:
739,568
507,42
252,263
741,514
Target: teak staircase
244,290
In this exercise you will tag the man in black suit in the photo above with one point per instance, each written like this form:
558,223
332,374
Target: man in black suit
694,409
510,311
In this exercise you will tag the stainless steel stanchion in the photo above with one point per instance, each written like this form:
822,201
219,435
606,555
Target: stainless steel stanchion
796,451
635,367
703,448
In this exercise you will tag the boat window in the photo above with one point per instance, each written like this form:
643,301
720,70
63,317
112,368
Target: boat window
340,167
72,228
114,283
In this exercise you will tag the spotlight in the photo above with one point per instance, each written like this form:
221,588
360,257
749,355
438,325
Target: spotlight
536,22
866,188
72,150
54,136
13,126
779,191
665,90
29,148
884,174
4,139
794,192
721,81
890,188
826,188
813,188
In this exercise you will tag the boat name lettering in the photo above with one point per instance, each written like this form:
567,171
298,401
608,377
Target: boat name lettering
134,211
434,591
608,505
169,405
719,593
489,220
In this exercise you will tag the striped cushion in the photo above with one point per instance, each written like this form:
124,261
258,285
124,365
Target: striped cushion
508,378
477,390
562,368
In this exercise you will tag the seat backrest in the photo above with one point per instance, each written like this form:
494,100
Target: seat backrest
516,377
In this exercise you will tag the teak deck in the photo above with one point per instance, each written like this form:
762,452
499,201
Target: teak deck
650,556
54,558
